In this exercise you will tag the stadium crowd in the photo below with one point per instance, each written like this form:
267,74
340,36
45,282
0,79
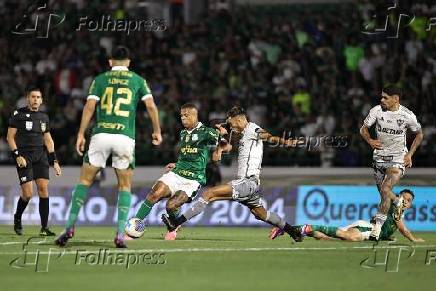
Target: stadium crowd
304,69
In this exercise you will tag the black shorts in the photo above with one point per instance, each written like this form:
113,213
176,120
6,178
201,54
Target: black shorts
37,166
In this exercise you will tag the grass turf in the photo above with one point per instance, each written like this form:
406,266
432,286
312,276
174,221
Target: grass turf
211,259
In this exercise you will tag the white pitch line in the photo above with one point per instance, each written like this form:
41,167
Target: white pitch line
49,241
197,250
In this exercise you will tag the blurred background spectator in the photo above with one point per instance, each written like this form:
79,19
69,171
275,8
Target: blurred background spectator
304,69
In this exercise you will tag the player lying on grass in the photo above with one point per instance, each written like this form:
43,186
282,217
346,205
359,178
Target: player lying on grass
184,178
245,189
360,230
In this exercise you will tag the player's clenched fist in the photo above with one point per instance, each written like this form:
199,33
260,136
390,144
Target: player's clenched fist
156,138
80,144
21,162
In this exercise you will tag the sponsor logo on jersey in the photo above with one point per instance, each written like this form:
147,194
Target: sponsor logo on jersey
188,150
389,130
400,122
187,137
43,126
29,125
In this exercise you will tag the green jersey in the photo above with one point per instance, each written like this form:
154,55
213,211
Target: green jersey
194,153
118,91
389,227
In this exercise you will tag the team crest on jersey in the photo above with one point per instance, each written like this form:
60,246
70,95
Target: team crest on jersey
29,125
195,137
400,122
43,126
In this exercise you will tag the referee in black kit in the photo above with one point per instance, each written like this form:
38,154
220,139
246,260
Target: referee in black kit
32,149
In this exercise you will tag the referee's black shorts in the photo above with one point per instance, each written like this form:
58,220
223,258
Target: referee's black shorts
37,166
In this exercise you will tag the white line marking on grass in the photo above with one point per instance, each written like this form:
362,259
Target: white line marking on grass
49,242
198,250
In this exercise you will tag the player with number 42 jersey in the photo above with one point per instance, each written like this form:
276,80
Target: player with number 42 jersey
114,96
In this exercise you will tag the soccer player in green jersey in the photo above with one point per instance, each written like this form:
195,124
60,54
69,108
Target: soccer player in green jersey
185,177
361,230
114,95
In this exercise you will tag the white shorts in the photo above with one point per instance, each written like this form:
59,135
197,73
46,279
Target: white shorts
178,183
120,146
363,226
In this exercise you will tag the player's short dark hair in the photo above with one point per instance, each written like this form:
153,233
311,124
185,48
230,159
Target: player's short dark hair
392,89
31,89
235,111
408,191
120,53
189,106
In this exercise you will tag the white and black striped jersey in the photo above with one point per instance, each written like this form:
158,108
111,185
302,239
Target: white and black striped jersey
250,152
391,128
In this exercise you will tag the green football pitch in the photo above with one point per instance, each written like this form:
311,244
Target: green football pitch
213,258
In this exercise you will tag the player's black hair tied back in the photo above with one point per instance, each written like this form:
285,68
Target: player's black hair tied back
120,53
393,89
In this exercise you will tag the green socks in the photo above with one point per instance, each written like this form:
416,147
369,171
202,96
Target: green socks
124,199
77,200
144,210
327,230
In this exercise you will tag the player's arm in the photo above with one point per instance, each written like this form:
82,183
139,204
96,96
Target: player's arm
374,143
222,143
369,121
49,144
154,116
276,140
406,232
10,137
223,147
88,112
419,136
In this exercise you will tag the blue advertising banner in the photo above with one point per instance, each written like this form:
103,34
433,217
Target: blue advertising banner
341,205
100,207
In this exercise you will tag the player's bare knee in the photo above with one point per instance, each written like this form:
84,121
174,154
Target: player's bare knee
26,196
154,196
172,204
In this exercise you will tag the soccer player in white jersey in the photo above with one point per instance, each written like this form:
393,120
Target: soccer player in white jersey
391,156
245,189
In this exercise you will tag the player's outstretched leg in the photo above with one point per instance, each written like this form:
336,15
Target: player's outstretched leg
392,177
159,191
272,218
220,192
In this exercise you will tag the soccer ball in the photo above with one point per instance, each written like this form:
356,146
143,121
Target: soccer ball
135,227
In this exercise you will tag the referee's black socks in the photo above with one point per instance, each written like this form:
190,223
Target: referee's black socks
21,206
43,211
